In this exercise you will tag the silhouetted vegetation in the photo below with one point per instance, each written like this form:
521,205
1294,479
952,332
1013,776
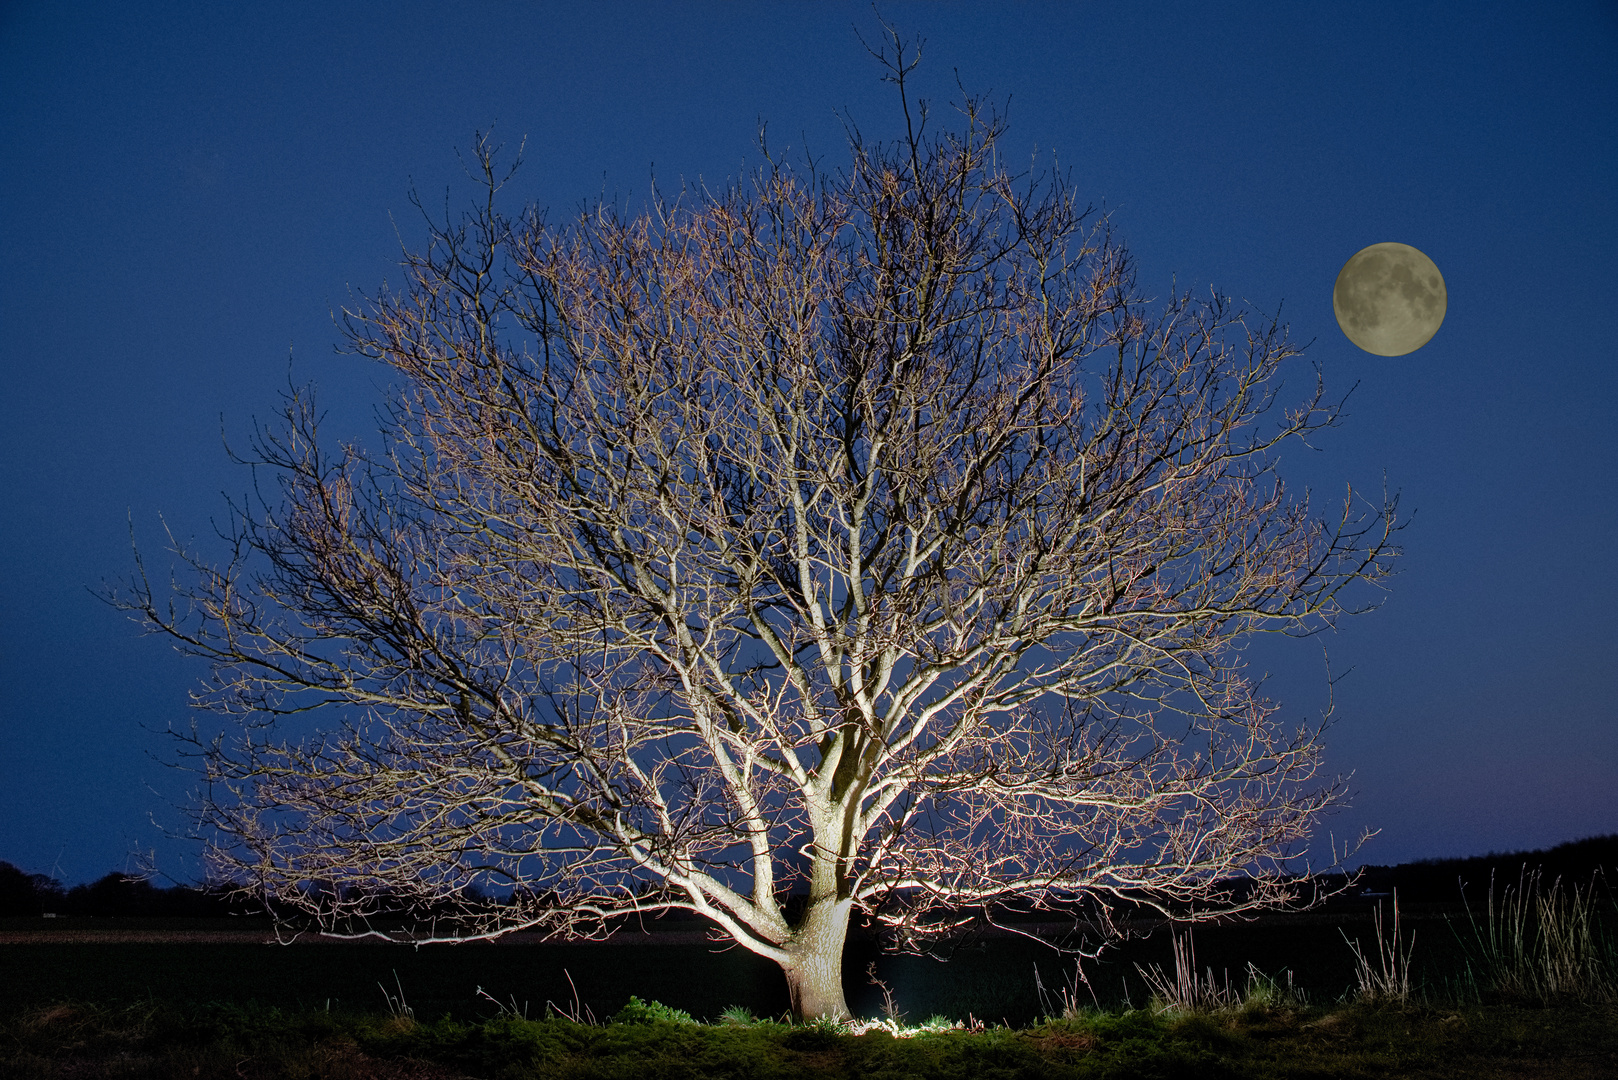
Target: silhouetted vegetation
1433,880
1426,881
115,894
27,894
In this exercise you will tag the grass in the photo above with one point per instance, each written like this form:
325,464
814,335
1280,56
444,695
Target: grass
1479,1042
1544,946
1537,996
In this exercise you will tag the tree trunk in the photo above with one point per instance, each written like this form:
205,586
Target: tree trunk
815,973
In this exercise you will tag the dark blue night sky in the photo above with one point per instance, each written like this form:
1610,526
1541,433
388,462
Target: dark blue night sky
189,192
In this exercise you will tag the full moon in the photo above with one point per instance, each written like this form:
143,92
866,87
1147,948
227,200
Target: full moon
1389,299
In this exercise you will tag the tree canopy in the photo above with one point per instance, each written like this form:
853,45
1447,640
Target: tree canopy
861,535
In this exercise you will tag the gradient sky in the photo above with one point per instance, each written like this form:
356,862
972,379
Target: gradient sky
188,192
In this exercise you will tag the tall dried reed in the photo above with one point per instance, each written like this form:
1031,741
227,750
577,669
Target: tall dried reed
1389,978
1545,946
1187,992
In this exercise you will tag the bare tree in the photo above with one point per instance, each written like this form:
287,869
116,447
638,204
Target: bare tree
857,534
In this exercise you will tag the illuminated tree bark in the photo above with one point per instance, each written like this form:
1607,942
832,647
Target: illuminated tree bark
859,535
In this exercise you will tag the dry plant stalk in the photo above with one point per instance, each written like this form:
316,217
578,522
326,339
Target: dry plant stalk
1186,992
1574,965
1389,979
1068,994
1546,946
890,1008
862,536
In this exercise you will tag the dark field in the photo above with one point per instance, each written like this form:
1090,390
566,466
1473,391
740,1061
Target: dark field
992,979
157,998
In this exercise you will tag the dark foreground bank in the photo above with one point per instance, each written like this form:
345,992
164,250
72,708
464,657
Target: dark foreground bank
1258,1041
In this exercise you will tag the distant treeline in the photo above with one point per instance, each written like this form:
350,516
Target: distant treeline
1441,880
127,895
1426,881
115,894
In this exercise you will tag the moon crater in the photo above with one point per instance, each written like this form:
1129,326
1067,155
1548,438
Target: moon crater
1389,299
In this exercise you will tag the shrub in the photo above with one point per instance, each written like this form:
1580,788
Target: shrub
649,1012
